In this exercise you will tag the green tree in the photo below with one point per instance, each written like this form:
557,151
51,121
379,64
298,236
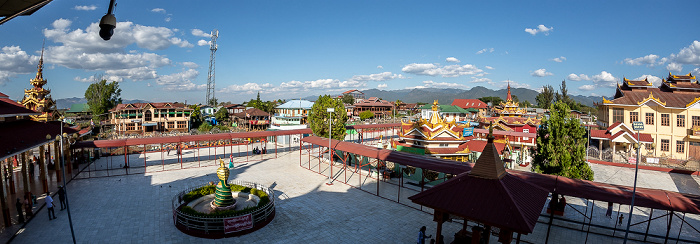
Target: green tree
366,115
221,115
545,98
196,116
493,100
348,99
213,102
397,104
102,96
318,118
561,145
525,104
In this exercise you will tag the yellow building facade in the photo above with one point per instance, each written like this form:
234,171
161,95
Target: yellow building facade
670,113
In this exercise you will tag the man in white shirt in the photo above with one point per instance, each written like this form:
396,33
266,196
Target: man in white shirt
49,205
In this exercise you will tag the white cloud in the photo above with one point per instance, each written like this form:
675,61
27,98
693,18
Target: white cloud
648,60
541,73
384,76
575,77
539,29
605,79
158,10
190,65
203,43
675,67
452,59
135,74
444,71
485,50
85,8
429,83
248,88
587,87
688,55
181,81
93,78
381,86
15,61
200,33
479,80
380,67
504,83
559,59
328,85
180,43
656,81
488,67
167,19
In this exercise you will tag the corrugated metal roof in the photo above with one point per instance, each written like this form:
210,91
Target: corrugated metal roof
298,104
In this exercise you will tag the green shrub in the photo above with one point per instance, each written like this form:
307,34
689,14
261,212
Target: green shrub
211,189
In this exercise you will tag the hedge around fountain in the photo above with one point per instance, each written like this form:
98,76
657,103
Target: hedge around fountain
211,225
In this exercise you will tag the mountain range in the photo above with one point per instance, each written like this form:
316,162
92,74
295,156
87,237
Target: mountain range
446,96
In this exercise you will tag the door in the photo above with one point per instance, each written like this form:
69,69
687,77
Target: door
694,151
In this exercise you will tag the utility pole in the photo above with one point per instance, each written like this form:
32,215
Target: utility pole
211,77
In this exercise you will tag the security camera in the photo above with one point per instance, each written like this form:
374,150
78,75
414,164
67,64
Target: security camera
107,25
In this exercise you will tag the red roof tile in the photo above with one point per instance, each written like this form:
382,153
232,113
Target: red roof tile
469,103
9,108
21,135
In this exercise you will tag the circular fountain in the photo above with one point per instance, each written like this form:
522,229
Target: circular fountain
231,208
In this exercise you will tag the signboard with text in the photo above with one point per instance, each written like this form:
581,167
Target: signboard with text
239,223
637,125
632,160
469,131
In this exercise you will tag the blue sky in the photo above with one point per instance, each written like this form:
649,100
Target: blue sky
289,49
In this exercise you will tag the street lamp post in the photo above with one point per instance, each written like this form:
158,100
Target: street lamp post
330,160
65,187
638,126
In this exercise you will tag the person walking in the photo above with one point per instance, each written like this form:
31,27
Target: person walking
62,197
49,205
619,222
28,207
19,206
31,168
421,236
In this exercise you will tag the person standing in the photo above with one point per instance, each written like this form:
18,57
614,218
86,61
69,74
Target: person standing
49,205
421,236
28,207
19,206
31,168
62,197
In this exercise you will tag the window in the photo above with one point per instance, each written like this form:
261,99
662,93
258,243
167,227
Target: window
181,124
130,126
649,118
171,124
680,120
618,115
526,130
696,120
443,144
665,120
680,146
664,145
634,117
416,142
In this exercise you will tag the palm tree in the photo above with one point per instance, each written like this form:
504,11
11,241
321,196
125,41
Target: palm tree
397,104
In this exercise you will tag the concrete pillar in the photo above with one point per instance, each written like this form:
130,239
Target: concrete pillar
25,174
3,199
57,160
10,174
600,149
42,169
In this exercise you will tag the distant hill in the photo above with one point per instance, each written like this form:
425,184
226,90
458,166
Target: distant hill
446,96
64,103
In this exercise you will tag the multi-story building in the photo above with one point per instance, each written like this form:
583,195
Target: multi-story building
356,94
235,108
448,112
141,118
377,106
670,112
474,104
291,115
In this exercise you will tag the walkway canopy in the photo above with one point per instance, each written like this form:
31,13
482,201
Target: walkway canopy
207,137
489,195
21,135
645,197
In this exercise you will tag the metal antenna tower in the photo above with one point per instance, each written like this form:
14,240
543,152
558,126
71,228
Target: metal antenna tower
211,78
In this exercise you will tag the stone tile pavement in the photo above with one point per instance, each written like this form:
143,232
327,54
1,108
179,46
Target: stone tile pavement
137,208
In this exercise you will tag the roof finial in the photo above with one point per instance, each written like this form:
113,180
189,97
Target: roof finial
490,136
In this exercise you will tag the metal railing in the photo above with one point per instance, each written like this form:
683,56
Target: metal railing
215,225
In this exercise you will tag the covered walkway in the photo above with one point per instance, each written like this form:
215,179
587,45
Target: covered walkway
374,162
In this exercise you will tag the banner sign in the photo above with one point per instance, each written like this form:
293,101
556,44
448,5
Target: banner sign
239,223
469,131
474,124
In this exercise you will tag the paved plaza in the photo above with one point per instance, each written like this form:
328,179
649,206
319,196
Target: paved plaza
136,208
